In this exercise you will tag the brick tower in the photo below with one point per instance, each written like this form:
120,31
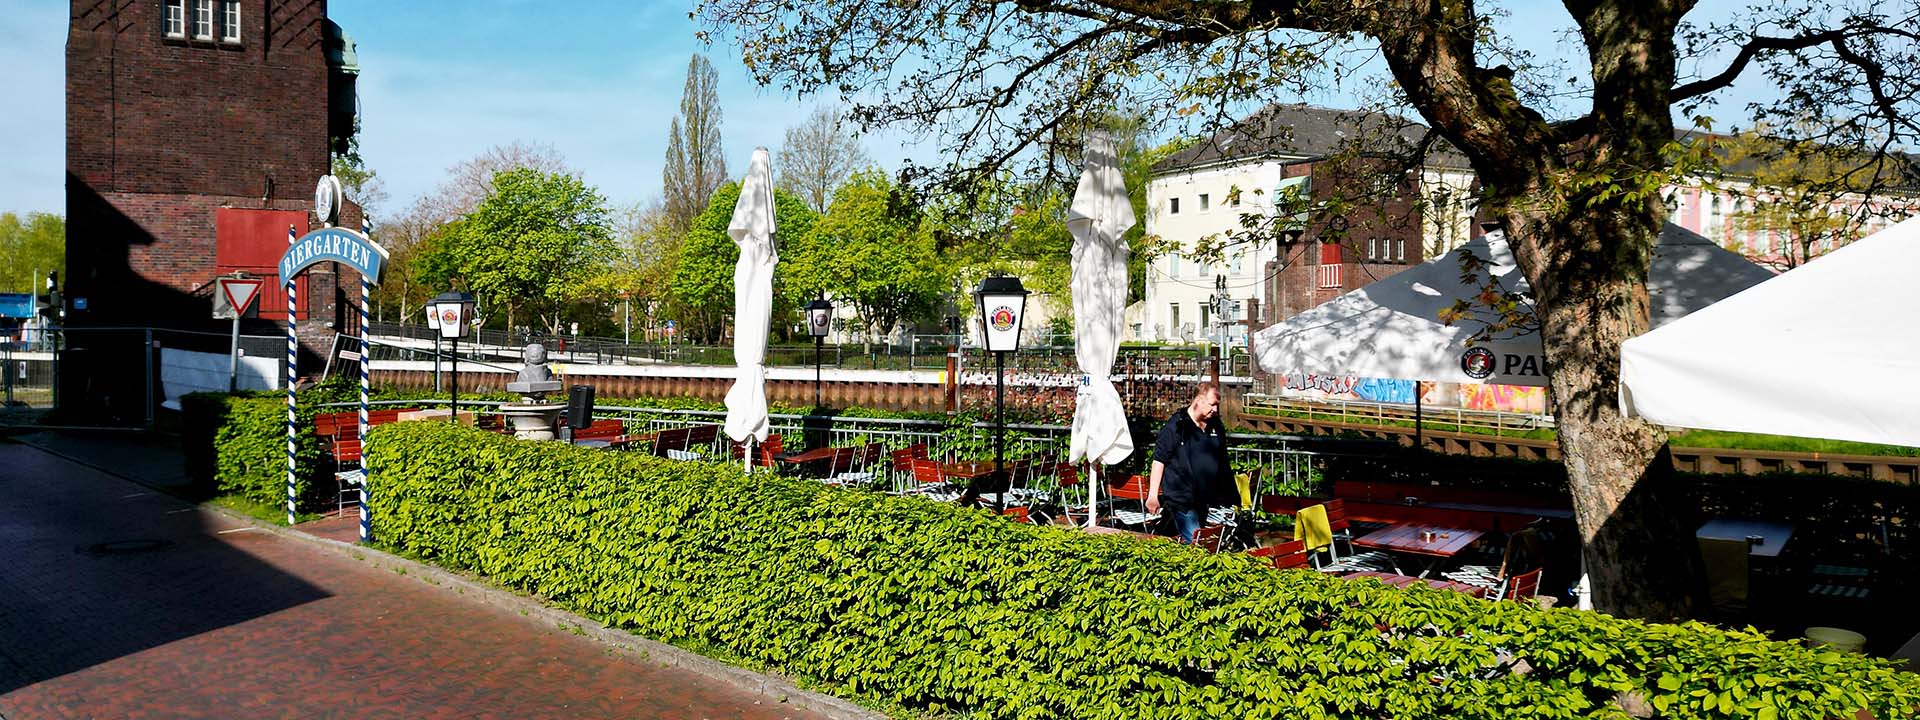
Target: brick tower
196,130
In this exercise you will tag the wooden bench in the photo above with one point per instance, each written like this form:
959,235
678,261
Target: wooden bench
679,443
340,436
601,431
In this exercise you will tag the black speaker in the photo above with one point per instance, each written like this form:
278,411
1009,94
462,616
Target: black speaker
579,406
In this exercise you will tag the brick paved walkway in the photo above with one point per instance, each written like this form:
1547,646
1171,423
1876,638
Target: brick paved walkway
119,602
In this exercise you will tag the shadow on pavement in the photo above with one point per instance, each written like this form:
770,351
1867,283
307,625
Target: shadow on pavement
99,568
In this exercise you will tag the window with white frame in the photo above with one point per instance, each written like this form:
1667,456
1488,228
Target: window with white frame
1233,199
174,18
1173,265
1373,248
203,19
1237,264
1204,204
1173,316
230,21
1399,249
1173,206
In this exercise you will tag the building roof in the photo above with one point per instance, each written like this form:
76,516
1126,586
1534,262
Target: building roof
1305,132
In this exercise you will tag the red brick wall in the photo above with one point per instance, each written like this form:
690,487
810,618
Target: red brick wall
150,115
1296,287
161,135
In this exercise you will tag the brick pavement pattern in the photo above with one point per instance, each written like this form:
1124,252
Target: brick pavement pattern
119,602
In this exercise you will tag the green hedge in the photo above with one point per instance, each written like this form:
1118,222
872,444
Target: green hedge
934,607
237,444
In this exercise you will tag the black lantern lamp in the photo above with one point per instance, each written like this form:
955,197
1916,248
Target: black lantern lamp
819,322
453,314
1002,302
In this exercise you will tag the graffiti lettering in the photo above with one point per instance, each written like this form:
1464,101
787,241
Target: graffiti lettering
1329,384
1505,398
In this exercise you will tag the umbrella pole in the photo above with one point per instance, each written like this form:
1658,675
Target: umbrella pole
1418,429
746,458
1093,494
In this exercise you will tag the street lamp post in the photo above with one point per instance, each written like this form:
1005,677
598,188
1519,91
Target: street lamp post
819,321
1002,305
454,311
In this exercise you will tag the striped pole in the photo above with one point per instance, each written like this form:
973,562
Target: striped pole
366,470
293,361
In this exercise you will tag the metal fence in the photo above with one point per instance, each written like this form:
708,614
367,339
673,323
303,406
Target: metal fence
122,376
1495,422
1039,353
1279,461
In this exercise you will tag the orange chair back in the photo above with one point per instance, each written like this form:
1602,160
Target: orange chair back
1523,586
1135,488
1286,555
904,457
1068,474
927,472
1208,537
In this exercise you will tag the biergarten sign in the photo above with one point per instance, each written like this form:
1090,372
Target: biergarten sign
334,245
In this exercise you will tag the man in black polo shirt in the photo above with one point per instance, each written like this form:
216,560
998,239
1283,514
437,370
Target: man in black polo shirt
1189,462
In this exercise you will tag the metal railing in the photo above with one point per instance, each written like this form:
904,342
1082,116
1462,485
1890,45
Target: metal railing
1495,422
917,352
1282,465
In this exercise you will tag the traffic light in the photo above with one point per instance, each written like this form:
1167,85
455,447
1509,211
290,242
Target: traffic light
52,309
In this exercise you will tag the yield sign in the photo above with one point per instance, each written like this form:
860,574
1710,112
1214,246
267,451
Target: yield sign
235,295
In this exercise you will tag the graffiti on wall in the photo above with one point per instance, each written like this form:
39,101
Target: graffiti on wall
1506,398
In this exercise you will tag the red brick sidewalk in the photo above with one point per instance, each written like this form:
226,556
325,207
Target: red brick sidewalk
205,616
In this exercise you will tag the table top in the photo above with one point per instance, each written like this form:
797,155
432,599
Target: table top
1774,535
814,455
966,469
1405,537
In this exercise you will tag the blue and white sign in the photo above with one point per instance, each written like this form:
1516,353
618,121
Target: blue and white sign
334,245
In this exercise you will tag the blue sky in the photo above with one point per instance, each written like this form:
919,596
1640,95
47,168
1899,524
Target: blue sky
444,81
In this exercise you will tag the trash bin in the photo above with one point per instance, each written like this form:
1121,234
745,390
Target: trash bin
1836,638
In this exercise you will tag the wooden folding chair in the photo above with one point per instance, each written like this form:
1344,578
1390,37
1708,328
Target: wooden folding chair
1134,489
1285,556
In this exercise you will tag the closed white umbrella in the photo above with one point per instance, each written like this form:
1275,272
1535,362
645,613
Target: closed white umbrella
1822,351
1392,329
752,230
1101,213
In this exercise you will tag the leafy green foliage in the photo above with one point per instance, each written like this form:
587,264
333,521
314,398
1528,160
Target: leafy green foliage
38,241
530,245
701,285
932,606
237,445
871,251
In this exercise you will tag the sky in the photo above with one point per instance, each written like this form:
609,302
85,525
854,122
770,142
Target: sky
441,82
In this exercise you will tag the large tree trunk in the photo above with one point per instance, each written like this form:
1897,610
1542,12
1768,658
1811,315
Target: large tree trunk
1639,556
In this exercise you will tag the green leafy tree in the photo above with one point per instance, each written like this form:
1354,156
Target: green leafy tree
529,247
873,251
36,242
699,292
1571,161
1808,197
696,164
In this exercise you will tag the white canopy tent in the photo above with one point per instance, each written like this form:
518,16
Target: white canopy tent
752,230
1100,215
1392,329
1824,351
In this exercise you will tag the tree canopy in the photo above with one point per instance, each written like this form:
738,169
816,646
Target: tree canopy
700,288
36,242
530,246
872,251
1575,177
696,162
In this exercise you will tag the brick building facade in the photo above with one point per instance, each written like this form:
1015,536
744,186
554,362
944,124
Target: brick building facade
1374,198
196,130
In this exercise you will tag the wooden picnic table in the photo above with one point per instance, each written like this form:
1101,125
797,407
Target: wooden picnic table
1410,538
957,472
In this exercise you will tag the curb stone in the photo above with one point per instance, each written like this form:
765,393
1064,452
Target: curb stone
773,688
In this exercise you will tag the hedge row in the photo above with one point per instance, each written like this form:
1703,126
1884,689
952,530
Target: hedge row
932,606
237,445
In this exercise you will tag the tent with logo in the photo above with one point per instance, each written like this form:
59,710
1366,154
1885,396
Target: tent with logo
1391,328
1823,351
